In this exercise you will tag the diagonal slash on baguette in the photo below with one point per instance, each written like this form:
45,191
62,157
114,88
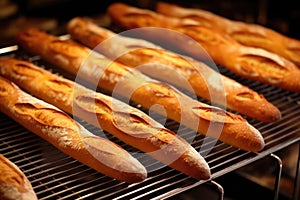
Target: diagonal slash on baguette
252,35
248,62
171,67
79,60
123,121
59,129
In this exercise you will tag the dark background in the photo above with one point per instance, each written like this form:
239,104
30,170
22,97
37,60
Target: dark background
52,15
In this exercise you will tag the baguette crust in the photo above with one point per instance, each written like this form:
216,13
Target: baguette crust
14,185
123,121
251,63
64,133
160,64
145,91
252,35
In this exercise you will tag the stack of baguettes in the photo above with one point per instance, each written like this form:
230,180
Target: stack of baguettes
171,67
123,121
126,123
63,132
249,62
132,84
252,35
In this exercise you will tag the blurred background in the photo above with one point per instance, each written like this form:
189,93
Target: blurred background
52,15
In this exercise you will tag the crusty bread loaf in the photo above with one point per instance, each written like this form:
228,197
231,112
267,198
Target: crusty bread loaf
143,90
248,62
167,66
247,34
117,78
64,133
123,121
13,182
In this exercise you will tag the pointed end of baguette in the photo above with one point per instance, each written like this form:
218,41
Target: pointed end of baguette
256,141
243,136
272,115
115,161
13,182
198,170
192,164
202,169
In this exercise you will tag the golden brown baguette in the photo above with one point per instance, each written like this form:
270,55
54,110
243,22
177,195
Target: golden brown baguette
167,66
151,94
247,34
13,182
64,133
123,121
248,62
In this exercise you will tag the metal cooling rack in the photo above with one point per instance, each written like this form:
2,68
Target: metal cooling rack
54,175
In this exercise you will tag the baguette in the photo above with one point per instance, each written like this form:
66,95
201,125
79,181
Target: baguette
248,62
64,133
252,35
13,182
134,127
162,64
117,78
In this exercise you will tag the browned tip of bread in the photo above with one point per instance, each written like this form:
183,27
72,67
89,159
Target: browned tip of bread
13,182
120,12
238,133
28,38
197,166
163,5
117,6
87,32
246,137
179,154
116,11
28,35
252,104
229,128
122,165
